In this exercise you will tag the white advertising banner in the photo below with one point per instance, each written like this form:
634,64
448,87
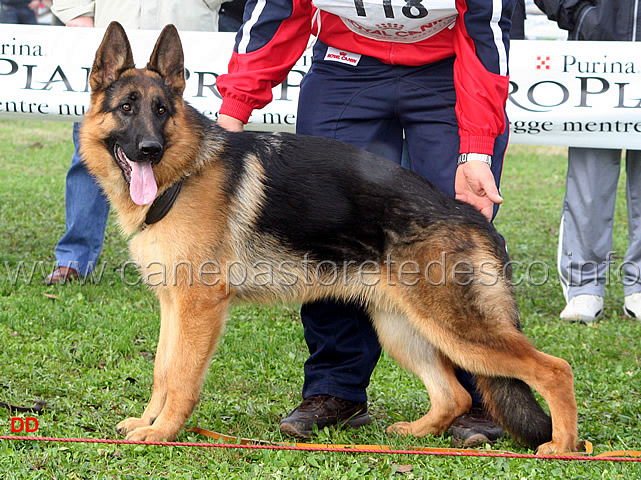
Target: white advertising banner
583,94
44,73
562,93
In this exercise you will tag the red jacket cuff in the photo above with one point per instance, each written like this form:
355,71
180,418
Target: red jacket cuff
476,144
236,108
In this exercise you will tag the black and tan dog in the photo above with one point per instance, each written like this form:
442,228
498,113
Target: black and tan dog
217,217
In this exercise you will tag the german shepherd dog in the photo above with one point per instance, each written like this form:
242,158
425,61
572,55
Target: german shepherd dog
213,212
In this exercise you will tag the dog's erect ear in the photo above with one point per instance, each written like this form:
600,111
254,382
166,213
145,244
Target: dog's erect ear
113,56
167,59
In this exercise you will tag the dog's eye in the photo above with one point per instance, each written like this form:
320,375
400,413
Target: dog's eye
161,110
126,107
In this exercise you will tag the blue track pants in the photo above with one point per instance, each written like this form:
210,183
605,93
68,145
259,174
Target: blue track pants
375,106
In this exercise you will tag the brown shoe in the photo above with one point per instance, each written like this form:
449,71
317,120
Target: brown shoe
323,411
475,428
62,275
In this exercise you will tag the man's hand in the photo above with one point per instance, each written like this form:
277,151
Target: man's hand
474,184
34,5
230,123
81,21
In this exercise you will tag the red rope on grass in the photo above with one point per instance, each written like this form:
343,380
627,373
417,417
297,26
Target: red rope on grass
471,453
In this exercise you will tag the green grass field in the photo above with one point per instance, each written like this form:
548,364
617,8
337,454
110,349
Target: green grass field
87,350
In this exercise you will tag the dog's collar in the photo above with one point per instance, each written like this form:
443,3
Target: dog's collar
163,204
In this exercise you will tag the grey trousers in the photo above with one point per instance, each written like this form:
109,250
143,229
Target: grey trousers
586,261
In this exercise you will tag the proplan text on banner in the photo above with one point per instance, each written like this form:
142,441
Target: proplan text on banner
562,93
584,94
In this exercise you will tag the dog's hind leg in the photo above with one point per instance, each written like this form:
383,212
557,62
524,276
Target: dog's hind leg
550,376
197,322
497,349
412,350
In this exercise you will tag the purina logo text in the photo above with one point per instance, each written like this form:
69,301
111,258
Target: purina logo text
572,64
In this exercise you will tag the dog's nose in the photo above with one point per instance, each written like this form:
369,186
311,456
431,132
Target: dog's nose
150,148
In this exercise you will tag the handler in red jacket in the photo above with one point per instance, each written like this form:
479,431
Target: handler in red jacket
432,72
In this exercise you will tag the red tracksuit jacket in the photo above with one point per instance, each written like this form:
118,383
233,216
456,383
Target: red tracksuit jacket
397,32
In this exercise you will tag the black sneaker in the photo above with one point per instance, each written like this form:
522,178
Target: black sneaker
475,428
323,411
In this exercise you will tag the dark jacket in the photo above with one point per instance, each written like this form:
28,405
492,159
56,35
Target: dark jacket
15,3
595,20
518,21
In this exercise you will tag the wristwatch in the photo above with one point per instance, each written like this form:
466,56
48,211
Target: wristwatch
466,157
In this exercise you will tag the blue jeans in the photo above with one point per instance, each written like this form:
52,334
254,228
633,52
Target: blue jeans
86,212
376,106
18,14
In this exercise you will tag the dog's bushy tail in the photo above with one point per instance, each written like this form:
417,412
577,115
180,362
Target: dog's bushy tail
513,404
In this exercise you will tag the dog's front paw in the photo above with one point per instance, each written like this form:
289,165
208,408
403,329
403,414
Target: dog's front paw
419,428
150,434
557,448
400,428
129,425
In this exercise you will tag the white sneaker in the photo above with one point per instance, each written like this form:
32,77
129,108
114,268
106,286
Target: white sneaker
585,308
632,305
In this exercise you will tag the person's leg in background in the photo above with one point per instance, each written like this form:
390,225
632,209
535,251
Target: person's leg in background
343,345
368,114
585,235
431,130
632,262
86,213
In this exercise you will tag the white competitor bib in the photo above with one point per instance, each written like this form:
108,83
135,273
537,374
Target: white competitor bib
400,21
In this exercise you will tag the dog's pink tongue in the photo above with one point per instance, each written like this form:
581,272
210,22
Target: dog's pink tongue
142,188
